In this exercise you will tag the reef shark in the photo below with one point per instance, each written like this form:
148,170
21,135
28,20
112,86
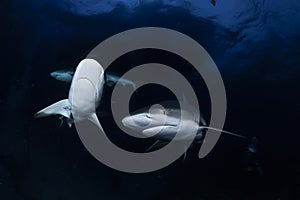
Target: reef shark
64,75
164,122
89,79
86,69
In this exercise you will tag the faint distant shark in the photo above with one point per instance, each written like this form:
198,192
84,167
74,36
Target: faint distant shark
163,123
86,78
66,75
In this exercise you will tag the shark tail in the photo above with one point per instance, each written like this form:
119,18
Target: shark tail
62,107
226,132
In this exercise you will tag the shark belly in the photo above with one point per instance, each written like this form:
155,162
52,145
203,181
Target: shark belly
89,82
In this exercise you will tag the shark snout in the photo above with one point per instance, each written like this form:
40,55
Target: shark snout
125,121
53,74
136,122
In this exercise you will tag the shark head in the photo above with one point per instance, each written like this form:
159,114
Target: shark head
147,119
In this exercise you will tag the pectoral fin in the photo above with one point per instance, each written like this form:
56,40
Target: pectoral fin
157,145
166,129
62,107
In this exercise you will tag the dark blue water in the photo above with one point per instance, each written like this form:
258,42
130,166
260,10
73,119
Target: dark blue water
255,45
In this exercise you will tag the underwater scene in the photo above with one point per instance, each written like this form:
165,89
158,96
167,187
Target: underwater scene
150,99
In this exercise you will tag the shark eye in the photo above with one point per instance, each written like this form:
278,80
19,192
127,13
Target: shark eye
148,116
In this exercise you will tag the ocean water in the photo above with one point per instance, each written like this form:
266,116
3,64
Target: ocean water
255,45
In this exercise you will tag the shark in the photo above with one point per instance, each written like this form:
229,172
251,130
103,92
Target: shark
89,80
86,68
66,75
164,122
112,79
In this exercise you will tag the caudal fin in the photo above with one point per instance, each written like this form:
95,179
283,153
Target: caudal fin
223,131
62,107
93,118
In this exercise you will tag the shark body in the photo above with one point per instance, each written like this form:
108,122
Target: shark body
163,123
86,79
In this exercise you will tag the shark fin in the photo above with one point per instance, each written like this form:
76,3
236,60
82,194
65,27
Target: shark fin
185,153
223,131
93,118
64,75
61,121
62,107
157,145
69,121
168,129
110,83
113,79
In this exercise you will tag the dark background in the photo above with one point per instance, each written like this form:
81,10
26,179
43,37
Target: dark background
255,45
